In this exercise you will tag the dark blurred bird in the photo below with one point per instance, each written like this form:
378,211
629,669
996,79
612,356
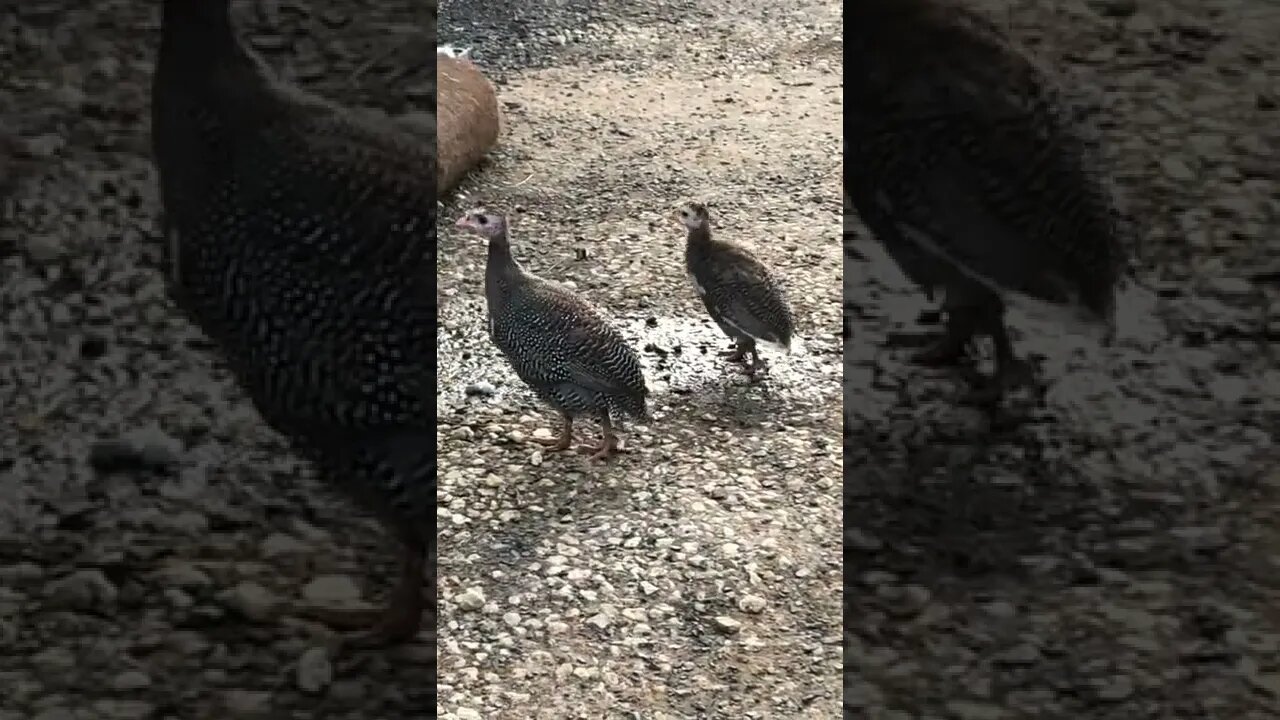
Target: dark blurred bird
965,161
301,239
742,295
557,343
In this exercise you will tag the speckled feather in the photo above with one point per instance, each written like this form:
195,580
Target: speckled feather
560,345
742,295
957,138
301,238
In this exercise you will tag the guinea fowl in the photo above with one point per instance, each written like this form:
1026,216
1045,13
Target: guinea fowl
964,161
742,295
301,239
557,343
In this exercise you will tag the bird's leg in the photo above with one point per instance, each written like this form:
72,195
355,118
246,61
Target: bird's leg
398,622
1011,372
739,351
609,442
757,366
559,443
953,346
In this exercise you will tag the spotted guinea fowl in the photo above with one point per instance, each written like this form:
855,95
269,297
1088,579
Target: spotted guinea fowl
965,162
301,239
743,296
557,343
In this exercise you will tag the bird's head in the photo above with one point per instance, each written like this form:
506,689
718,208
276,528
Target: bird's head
694,216
488,225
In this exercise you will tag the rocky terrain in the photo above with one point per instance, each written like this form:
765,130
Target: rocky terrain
698,575
151,529
1108,550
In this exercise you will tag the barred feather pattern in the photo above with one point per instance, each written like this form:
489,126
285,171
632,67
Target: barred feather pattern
966,162
743,296
301,239
559,344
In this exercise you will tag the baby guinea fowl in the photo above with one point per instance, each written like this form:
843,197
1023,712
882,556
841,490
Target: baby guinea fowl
966,164
301,239
557,343
743,296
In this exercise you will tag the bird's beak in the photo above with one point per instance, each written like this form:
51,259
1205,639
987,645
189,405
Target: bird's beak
462,222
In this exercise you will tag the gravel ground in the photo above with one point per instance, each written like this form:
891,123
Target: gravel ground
149,523
697,575
1114,556
1110,550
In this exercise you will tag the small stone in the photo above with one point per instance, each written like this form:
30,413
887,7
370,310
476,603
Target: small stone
251,601
726,624
465,713
247,704
471,599
1117,689
1020,656
314,671
511,618
183,576
130,680
123,709
599,621
481,389
282,545
332,590
82,590
752,603
1176,169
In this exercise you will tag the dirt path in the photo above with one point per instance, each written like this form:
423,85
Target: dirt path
699,575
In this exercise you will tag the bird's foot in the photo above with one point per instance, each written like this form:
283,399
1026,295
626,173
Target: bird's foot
756,370
1009,375
735,355
603,451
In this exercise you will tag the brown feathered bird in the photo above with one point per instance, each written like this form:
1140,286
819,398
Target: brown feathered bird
966,163
301,239
741,294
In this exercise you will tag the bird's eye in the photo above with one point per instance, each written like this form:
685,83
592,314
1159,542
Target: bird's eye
482,220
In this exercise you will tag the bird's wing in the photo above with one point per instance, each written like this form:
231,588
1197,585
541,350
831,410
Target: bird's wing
747,295
590,351
978,160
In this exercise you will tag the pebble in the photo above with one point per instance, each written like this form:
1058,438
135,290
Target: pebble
251,601
471,599
727,625
314,671
281,545
332,590
131,680
752,603
82,590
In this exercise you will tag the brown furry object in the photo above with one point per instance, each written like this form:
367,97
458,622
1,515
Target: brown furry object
467,118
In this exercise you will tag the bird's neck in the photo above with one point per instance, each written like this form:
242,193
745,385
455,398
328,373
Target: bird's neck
699,235
502,264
